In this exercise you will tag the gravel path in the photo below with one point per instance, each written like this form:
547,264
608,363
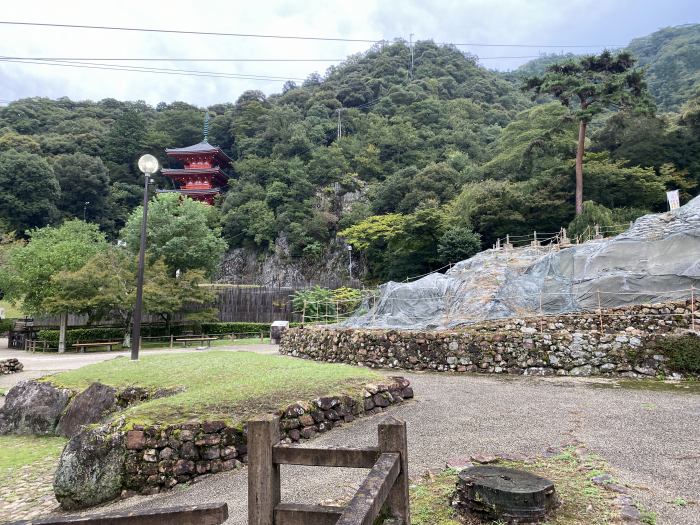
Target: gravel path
649,438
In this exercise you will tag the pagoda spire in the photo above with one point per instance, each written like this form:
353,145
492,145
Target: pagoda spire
206,127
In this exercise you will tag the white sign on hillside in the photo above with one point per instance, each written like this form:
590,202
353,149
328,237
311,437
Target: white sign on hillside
673,200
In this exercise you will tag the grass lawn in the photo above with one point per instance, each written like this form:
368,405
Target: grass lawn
19,451
231,386
583,503
219,342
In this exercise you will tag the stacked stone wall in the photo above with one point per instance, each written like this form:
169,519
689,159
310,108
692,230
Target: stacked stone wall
158,458
10,366
615,341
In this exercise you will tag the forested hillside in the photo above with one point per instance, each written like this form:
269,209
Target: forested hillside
433,162
670,58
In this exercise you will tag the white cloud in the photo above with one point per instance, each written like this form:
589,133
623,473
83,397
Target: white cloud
488,21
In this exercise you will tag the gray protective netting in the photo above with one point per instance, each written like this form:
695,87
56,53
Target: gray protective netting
657,259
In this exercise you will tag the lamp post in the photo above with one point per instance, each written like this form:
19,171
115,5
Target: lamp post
148,164
85,205
350,261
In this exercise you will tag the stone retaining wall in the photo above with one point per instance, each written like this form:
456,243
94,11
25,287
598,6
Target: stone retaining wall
150,459
10,366
561,345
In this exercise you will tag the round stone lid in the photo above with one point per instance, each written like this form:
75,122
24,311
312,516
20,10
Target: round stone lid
505,479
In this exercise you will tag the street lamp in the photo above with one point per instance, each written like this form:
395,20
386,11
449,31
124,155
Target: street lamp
148,164
350,261
85,209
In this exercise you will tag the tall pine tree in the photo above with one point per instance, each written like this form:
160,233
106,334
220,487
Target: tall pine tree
587,86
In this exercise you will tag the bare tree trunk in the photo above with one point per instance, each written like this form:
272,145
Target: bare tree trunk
579,166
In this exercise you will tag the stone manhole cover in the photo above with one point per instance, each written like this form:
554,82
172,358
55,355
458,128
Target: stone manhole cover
497,493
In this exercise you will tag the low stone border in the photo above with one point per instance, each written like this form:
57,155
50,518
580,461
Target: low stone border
556,345
105,462
10,366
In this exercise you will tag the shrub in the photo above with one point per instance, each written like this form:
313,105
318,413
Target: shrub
234,328
683,352
6,325
82,334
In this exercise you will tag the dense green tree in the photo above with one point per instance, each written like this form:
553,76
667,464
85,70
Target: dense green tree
12,140
184,233
588,86
105,288
29,191
85,185
458,243
594,215
126,138
27,276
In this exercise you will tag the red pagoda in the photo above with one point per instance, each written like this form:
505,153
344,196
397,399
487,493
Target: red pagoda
202,176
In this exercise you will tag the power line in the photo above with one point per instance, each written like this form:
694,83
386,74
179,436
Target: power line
530,45
140,59
137,69
290,37
183,32
181,59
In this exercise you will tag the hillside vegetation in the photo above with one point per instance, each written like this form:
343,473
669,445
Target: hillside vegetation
433,164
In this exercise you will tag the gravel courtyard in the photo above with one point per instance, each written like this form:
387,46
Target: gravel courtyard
649,437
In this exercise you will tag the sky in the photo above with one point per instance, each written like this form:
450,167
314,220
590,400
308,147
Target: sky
536,23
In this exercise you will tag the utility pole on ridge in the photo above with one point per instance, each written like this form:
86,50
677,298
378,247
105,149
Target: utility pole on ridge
340,124
410,45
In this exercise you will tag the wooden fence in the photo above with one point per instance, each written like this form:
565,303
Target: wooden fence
386,486
207,514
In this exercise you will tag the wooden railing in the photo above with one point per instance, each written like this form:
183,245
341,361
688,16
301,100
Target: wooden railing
208,514
386,485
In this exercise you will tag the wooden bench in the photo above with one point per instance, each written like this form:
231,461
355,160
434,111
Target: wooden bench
82,346
185,340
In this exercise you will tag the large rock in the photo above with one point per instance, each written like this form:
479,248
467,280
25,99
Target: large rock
91,469
33,407
86,408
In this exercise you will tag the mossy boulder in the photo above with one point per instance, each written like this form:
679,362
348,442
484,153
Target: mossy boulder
86,408
33,408
91,468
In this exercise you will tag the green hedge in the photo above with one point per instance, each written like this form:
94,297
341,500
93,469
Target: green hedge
85,335
235,328
683,352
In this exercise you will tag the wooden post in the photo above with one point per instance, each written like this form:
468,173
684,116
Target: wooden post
393,438
62,333
692,307
600,311
263,474
172,340
303,313
262,339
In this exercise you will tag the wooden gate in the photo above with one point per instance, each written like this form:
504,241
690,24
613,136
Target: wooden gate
386,485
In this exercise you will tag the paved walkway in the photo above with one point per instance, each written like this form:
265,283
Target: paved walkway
649,438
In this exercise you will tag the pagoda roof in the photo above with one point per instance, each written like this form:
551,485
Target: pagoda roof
218,173
201,147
